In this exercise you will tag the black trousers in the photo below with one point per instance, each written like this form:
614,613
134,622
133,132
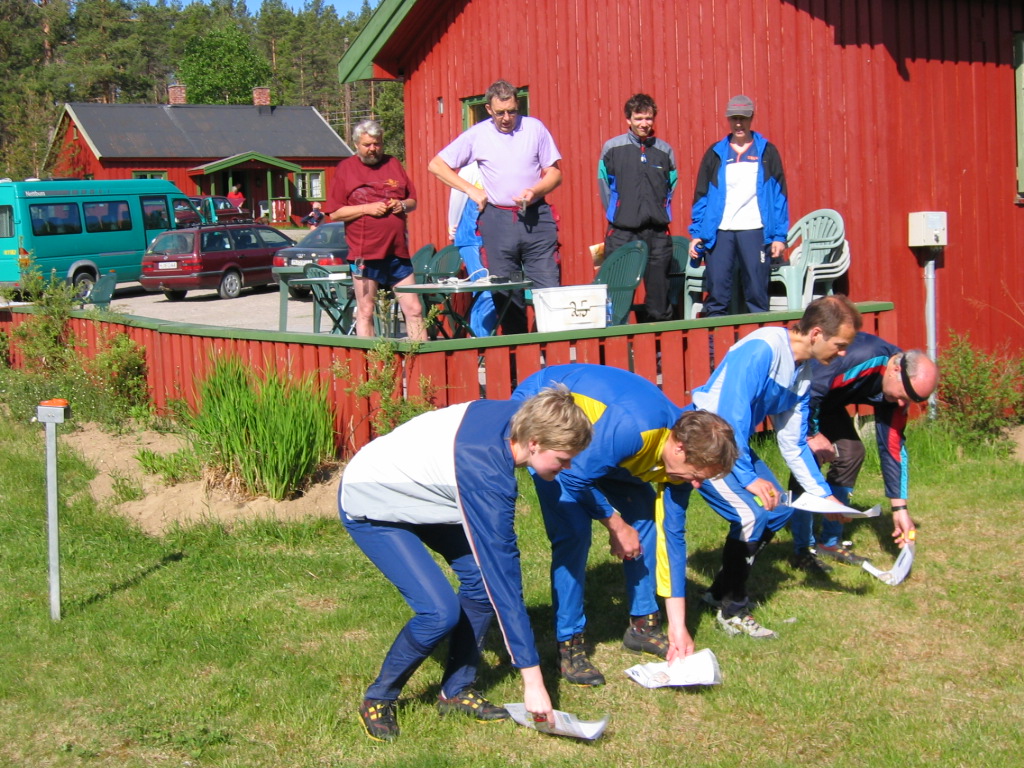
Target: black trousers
659,260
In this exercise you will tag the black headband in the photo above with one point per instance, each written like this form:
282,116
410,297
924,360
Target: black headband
907,387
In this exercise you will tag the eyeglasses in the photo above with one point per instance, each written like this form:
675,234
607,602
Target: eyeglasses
504,112
907,386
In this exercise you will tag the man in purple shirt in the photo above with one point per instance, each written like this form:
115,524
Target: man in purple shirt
518,160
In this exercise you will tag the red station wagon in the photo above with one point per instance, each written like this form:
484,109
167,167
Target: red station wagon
221,257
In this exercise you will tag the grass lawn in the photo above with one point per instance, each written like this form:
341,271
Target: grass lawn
252,647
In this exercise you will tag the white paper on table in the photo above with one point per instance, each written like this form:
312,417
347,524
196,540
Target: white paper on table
565,724
899,570
700,668
822,505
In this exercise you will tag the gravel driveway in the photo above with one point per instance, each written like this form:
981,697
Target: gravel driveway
255,309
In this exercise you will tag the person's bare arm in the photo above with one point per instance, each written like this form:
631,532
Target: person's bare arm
680,644
550,178
623,540
448,175
349,213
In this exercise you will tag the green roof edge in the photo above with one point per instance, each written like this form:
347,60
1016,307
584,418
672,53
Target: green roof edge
357,63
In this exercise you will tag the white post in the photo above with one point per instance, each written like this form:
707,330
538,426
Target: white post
929,319
51,519
51,413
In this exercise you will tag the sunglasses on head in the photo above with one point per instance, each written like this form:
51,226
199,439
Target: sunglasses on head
907,386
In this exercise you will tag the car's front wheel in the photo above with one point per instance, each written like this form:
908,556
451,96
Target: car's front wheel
230,285
298,292
172,294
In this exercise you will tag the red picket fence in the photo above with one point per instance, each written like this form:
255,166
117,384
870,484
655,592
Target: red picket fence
675,355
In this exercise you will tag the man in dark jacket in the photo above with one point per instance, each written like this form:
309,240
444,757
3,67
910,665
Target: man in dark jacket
876,373
637,174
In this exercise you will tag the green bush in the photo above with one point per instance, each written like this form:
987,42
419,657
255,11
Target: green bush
980,394
268,435
384,369
44,340
109,389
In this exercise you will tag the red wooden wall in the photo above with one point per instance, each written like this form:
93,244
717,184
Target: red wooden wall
879,108
675,355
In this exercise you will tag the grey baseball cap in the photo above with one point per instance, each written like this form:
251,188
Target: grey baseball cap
740,105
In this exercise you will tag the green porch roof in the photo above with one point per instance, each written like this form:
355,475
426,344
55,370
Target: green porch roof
244,157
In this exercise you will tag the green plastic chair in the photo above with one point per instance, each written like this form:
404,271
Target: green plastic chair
622,272
102,291
445,263
819,239
679,273
421,260
334,301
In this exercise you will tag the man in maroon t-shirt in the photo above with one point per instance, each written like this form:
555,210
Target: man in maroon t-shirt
372,194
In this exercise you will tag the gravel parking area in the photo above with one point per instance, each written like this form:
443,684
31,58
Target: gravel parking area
256,309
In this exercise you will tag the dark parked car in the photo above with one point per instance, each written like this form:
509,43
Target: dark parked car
208,209
324,245
216,209
221,257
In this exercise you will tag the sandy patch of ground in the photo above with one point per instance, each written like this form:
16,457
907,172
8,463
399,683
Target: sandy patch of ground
114,457
1017,435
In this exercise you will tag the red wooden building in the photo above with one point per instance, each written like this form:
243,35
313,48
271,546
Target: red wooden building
879,109
282,157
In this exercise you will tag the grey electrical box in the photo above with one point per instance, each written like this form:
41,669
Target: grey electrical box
927,228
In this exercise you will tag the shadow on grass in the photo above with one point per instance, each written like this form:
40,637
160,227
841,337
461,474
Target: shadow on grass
128,583
607,611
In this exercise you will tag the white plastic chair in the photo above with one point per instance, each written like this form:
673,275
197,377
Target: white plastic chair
821,256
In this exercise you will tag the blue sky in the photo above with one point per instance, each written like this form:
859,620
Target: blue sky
341,6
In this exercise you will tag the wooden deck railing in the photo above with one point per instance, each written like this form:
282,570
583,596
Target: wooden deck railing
676,355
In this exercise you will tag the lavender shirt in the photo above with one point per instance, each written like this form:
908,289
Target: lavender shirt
509,162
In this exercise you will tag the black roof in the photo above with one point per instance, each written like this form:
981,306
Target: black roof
197,131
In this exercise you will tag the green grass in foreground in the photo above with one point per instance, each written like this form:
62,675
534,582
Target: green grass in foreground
252,647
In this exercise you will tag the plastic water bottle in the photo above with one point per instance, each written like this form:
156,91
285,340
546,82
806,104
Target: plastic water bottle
609,313
697,260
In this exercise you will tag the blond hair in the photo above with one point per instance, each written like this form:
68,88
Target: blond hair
553,419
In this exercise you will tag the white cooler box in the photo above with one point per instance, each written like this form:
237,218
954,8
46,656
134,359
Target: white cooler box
570,307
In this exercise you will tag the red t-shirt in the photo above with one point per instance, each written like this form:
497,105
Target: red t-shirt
356,183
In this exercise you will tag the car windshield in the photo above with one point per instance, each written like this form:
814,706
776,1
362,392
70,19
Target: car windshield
171,242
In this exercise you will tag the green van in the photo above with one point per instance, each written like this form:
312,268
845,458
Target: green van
84,228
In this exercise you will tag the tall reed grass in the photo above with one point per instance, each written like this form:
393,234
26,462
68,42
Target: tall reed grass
269,433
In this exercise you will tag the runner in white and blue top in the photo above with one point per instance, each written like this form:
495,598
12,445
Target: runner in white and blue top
445,481
766,374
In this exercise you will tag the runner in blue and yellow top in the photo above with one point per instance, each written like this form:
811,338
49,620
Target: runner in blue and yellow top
640,438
